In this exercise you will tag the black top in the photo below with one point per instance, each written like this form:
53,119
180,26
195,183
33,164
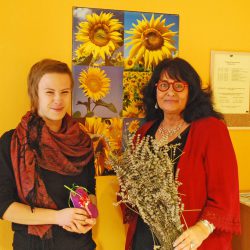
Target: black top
54,183
143,239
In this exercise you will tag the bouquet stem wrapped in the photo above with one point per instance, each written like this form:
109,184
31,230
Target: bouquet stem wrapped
148,186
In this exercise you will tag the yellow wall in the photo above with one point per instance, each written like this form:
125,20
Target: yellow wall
31,30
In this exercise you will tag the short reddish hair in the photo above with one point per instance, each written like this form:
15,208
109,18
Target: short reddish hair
37,71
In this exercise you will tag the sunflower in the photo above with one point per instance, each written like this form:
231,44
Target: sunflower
94,127
95,83
119,57
151,41
100,35
133,126
115,134
131,111
97,130
80,52
129,63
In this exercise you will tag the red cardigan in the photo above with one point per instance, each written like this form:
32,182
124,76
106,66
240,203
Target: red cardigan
209,176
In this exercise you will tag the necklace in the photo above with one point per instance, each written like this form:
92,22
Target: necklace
168,132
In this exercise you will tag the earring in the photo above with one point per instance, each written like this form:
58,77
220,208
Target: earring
156,105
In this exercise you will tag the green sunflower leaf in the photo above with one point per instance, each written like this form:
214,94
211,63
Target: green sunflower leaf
109,106
77,114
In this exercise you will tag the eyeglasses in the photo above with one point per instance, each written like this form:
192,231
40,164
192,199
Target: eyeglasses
165,85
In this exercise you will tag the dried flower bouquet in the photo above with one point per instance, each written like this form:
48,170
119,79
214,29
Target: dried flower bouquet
148,186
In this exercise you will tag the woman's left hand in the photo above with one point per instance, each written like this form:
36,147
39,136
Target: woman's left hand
192,238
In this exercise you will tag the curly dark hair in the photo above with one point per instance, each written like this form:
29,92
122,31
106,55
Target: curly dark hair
199,103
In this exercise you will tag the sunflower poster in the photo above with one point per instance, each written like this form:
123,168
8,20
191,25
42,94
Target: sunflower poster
114,53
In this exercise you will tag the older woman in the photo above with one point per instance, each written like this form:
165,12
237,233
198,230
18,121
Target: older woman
179,111
46,151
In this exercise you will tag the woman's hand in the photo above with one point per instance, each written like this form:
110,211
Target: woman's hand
75,220
192,238
81,227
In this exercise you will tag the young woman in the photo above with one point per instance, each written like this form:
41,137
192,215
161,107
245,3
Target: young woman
46,151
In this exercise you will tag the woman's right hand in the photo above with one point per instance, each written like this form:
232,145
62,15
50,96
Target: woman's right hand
75,220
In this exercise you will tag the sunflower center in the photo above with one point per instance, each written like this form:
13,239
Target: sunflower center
99,35
152,39
94,84
130,62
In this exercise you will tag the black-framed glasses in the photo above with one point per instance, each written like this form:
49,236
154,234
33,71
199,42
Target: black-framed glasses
165,85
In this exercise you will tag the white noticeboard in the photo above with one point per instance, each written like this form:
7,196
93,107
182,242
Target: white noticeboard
230,80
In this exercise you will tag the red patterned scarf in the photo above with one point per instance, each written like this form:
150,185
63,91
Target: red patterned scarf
34,146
